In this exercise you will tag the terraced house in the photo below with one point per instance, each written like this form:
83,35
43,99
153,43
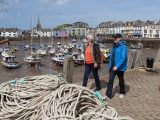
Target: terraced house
130,29
10,32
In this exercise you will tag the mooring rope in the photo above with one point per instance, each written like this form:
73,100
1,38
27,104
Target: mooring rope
50,97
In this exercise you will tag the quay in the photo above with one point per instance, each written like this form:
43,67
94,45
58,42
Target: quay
141,101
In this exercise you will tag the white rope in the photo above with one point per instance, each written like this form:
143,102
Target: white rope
50,97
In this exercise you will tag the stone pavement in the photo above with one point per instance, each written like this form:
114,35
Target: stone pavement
142,99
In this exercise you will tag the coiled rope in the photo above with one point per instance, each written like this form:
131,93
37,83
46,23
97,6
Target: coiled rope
50,97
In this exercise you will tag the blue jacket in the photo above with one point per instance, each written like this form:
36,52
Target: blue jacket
120,56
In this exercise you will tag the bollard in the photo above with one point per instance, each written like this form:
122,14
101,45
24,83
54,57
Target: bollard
149,62
68,68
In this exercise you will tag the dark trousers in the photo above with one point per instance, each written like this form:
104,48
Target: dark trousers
88,69
112,75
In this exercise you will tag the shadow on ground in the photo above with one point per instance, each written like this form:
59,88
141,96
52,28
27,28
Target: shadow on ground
116,89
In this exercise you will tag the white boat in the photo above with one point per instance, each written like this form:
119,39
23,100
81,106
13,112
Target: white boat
5,53
58,59
26,46
52,51
41,52
32,59
78,59
9,61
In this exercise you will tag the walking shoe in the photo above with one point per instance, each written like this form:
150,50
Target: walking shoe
121,95
106,98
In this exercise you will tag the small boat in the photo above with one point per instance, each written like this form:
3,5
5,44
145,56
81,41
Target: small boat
136,46
5,53
78,59
41,52
58,59
9,61
26,46
52,51
32,59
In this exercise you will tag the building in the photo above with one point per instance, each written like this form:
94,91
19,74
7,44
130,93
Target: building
78,30
103,29
9,32
130,29
138,29
38,31
60,33
150,30
80,25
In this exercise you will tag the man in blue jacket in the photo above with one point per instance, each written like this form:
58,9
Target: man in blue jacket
117,65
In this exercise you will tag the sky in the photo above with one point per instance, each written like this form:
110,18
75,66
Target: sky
23,14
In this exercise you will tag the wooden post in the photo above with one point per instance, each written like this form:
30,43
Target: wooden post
68,68
134,56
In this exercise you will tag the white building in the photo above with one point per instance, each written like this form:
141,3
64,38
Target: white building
9,32
150,30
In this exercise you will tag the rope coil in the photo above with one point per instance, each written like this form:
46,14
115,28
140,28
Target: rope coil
50,97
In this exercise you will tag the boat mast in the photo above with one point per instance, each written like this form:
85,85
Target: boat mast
62,34
52,37
31,32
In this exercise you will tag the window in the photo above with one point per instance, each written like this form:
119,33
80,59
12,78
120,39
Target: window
145,31
150,31
157,31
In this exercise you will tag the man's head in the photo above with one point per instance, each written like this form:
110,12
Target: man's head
90,38
117,37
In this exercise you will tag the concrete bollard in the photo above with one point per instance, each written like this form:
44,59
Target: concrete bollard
68,68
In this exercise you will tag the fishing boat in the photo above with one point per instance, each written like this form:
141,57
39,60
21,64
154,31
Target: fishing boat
41,52
9,61
58,59
52,51
78,58
32,59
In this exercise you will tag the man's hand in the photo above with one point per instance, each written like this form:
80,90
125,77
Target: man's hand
115,68
95,65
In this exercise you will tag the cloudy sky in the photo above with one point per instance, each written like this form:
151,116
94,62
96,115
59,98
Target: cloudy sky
17,13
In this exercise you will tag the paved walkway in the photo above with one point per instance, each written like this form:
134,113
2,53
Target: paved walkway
142,100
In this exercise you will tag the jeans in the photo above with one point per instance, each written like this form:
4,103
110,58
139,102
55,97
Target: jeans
88,69
112,75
